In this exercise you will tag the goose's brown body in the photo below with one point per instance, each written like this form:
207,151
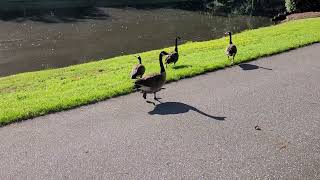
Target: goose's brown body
231,50
152,83
173,57
138,70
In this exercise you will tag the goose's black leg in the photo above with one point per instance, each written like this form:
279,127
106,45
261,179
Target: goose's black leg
157,99
233,59
144,95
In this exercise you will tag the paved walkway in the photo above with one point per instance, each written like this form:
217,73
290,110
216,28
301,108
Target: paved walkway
204,129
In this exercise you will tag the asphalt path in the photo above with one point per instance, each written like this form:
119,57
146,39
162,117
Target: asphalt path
258,120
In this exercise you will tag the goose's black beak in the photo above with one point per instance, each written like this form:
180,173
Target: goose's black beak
139,57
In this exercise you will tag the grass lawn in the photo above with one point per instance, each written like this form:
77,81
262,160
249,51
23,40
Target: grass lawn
29,95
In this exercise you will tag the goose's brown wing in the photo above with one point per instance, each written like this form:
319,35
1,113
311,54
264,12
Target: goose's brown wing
231,50
172,58
138,70
150,80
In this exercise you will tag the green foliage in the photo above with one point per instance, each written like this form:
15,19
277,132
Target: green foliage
302,5
245,6
33,94
309,5
291,5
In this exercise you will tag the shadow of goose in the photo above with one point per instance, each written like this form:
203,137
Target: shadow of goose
248,67
181,66
168,108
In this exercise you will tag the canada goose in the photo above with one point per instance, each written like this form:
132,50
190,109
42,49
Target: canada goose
138,70
173,57
231,48
280,17
152,83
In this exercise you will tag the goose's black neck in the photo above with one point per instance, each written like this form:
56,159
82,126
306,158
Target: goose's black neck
161,63
230,38
139,60
176,48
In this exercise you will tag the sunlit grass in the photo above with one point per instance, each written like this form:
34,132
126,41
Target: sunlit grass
34,94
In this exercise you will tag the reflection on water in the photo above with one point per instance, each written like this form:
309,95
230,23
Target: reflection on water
40,43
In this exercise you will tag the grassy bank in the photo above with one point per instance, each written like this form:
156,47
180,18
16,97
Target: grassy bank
33,94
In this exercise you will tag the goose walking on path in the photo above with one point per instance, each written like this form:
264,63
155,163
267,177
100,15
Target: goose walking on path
173,57
231,48
138,70
152,83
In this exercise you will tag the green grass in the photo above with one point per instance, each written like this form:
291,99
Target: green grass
34,94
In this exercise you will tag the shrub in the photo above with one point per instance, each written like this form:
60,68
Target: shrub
302,5
291,5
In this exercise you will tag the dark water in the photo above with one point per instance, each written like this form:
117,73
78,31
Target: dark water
51,41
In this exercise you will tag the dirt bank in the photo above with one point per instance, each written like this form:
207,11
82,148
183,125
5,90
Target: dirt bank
302,16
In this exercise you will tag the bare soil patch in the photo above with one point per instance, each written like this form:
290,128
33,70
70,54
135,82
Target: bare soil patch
302,15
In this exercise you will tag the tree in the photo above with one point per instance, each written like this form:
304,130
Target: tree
302,5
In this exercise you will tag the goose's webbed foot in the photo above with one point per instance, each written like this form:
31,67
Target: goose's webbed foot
156,98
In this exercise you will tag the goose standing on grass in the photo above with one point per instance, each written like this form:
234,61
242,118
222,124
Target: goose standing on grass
231,48
152,83
138,70
173,57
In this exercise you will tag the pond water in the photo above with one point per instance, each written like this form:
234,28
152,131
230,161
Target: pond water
35,42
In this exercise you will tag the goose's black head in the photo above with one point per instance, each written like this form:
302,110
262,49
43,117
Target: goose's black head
228,33
139,58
